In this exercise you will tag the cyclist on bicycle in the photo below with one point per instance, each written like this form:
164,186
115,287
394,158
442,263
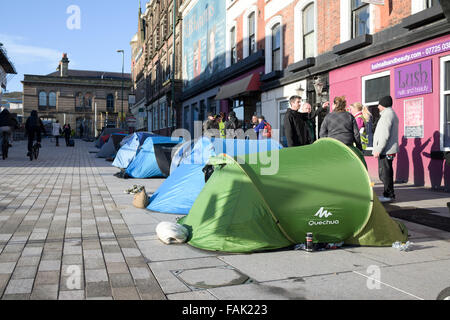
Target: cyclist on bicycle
7,124
34,127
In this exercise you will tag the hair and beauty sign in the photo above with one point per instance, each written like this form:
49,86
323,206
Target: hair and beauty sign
413,79
414,118
203,40
423,52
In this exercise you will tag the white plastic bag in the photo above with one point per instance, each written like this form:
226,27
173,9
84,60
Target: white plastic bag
171,232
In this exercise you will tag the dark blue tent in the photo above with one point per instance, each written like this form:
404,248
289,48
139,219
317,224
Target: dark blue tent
178,192
128,151
109,149
154,158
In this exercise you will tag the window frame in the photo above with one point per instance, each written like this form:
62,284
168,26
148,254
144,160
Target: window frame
442,94
49,100
251,35
353,20
46,99
233,48
273,37
304,35
372,103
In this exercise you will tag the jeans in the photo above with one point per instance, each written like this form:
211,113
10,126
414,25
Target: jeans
31,136
386,174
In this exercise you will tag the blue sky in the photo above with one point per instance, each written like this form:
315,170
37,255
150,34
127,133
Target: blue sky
35,34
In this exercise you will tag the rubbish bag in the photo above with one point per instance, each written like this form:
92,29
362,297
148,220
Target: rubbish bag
170,232
141,200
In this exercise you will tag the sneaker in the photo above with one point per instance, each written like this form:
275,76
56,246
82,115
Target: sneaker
385,199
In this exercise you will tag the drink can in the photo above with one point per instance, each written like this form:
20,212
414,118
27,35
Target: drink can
309,242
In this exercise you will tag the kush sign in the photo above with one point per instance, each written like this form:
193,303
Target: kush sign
413,79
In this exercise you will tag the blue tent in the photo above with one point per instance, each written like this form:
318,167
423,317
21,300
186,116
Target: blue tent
153,158
178,192
128,151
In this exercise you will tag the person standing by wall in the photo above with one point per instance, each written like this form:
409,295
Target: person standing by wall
385,146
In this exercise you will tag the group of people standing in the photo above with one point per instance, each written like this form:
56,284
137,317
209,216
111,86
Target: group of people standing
351,128
221,124
57,131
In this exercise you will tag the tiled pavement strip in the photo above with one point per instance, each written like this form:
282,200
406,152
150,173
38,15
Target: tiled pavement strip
61,235
67,212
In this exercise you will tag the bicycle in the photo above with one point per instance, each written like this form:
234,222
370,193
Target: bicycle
5,145
35,151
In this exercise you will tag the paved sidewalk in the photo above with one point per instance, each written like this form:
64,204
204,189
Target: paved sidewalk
185,272
68,211
61,234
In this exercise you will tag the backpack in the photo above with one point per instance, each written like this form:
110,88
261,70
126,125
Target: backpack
267,133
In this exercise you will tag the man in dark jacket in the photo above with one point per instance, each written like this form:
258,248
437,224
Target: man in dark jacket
34,127
296,129
211,126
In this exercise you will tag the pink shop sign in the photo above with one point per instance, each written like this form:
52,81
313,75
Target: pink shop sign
413,80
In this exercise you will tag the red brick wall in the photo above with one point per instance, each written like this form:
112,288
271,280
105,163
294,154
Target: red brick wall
328,25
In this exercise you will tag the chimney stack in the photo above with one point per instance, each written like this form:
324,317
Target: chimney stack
64,66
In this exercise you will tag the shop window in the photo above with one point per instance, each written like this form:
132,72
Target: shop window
360,18
163,115
308,31
284,105
212,105
150,121
238,108
276,47
156,117
374,88
203,113
445,103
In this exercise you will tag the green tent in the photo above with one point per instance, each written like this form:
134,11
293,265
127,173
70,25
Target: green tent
263,202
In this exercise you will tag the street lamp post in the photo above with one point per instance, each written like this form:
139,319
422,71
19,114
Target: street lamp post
123,63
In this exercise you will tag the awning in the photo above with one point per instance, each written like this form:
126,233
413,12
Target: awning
236,88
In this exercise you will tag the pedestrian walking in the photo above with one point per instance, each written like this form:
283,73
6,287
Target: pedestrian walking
34,127
56,131
385,146
263,129
341,125
295,127
363,119
67,131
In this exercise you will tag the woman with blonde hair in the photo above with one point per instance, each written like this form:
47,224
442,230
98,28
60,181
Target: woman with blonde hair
363,120
341,125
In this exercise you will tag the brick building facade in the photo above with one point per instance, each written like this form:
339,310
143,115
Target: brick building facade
91,99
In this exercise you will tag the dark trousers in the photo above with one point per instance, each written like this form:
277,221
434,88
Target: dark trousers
386,174
67,137
31,136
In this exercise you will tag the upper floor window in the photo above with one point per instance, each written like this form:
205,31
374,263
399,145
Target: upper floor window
251,33
52,99
276,47
42,99
429,3
110,103
308,31
88,100
360,18
79,100
233,45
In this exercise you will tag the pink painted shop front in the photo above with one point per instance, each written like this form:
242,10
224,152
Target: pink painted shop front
413,89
